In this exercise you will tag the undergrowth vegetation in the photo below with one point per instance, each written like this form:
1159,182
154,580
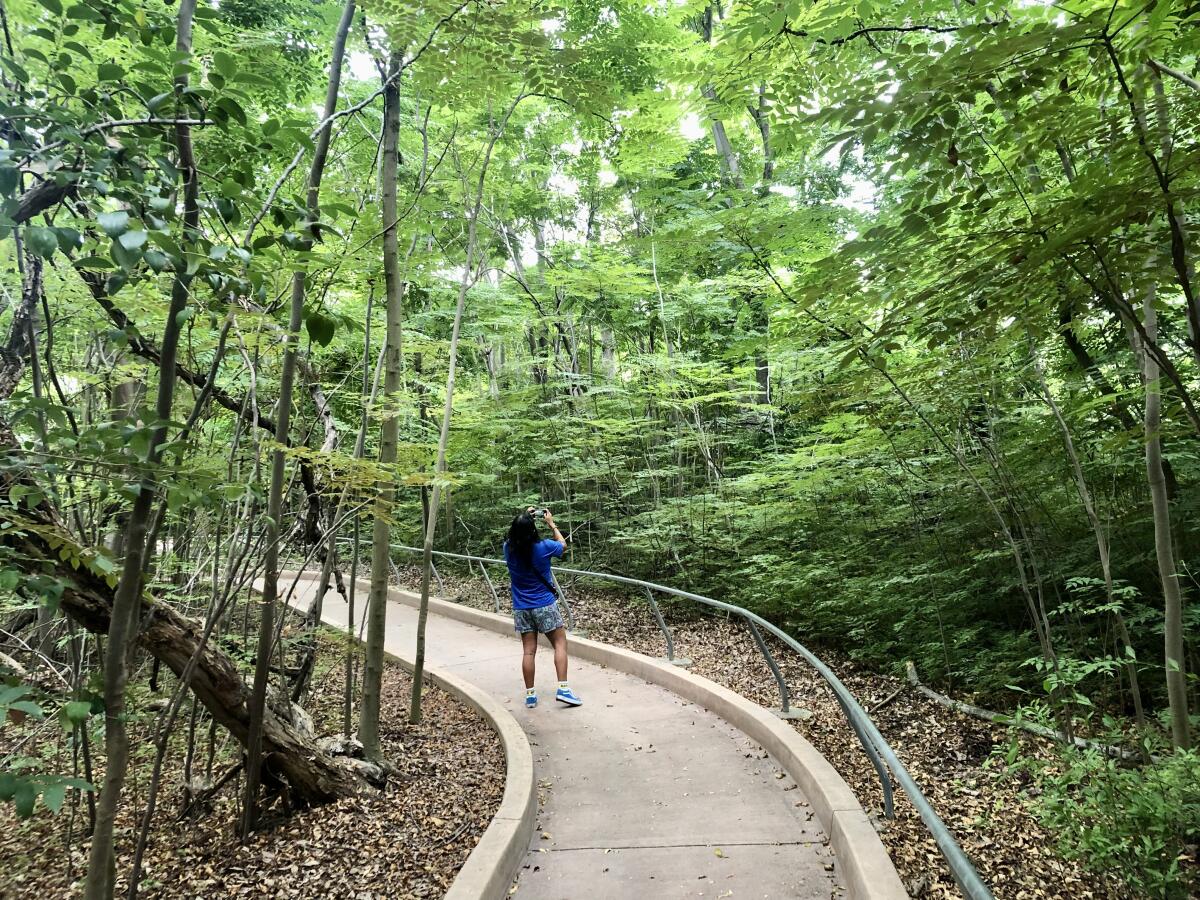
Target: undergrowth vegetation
878,317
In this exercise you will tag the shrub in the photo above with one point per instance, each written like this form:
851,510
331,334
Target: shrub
1141,823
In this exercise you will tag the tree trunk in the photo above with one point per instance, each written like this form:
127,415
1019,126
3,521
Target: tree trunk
1102,546
759,115
414,708
368,723
126,600
729,160
1181,260
608,352
266,627
1177,699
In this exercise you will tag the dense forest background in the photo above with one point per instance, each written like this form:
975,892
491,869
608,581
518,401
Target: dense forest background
880,319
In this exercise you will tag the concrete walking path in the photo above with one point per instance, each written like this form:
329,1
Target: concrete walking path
643,794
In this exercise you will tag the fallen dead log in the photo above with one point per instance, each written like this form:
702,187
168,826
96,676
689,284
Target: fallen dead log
20,620
17,669
1122,753
43,545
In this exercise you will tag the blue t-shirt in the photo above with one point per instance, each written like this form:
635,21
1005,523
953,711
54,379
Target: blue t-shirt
529,591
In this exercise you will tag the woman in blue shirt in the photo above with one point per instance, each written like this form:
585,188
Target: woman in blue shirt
535,603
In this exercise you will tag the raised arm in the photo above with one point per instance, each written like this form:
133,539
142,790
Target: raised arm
549,520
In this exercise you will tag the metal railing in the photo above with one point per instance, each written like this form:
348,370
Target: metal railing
882,757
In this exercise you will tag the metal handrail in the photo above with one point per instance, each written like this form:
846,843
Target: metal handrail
873,742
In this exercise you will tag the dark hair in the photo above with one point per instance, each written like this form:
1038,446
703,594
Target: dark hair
522,535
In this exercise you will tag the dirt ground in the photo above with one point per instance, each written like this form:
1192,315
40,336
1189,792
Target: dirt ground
407,841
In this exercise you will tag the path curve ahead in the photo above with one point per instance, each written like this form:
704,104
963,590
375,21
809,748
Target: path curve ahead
644,795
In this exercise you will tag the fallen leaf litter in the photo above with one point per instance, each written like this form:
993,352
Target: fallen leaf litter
408,841
944,751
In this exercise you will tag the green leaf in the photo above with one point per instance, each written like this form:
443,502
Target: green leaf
155,103
320,328
53,5
93,262
225,63
167,243
78,48
10,177
83,12
115,223
232,109
53,796
68,239
156,260
126,259
109,72
132,240
115,282
43,241
24,797
77,711
16,69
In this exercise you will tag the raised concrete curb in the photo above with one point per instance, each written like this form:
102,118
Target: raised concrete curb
494,863
496,859
861,858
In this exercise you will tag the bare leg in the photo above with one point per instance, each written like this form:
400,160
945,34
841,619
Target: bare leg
558,640
529,653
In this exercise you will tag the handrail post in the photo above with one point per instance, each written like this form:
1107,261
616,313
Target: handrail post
437,575
491,587
785,711
868,745
662,626
562,598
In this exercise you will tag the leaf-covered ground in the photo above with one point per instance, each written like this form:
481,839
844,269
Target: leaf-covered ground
946,753
408,841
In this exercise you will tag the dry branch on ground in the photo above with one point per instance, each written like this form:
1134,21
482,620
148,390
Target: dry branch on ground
405,842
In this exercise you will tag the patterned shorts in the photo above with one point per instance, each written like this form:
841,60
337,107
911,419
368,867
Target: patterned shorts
542,619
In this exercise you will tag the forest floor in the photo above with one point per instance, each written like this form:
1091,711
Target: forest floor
408,841
951,756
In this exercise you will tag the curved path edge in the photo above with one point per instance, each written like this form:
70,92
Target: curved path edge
862,859
493,864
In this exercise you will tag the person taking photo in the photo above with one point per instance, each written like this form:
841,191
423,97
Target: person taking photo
534,600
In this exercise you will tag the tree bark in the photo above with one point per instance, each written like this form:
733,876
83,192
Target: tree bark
368,722
1177,699
468,274
126,600
266,629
